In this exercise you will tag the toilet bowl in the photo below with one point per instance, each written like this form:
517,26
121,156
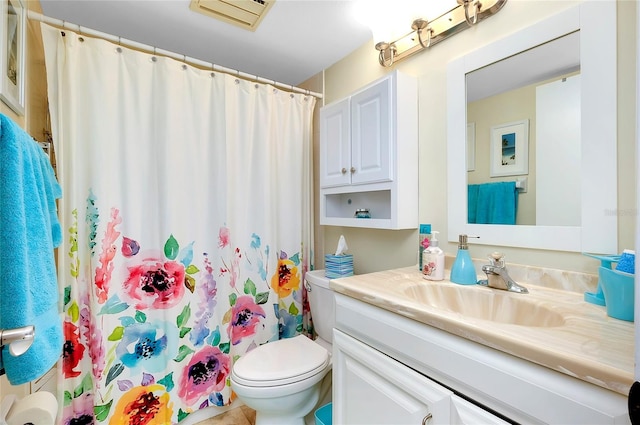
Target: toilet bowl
283,381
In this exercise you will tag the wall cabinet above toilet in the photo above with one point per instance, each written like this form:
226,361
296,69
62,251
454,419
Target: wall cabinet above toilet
369,156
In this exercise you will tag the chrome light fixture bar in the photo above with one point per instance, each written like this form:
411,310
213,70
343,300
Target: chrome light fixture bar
425,34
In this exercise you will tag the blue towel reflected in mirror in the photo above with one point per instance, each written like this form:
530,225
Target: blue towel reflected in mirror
492,203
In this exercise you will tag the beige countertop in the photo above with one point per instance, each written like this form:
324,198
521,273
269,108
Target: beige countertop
551,327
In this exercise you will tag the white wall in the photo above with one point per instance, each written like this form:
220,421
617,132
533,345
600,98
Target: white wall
558,147
377,250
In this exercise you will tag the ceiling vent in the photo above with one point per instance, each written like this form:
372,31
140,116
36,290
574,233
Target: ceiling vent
244,13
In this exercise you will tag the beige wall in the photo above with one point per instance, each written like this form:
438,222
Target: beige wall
375,250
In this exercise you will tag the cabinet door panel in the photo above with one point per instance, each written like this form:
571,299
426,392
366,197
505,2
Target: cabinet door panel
465,413
372,388
371,138
335,145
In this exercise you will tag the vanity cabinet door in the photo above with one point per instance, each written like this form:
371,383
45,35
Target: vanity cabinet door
465,413
372,388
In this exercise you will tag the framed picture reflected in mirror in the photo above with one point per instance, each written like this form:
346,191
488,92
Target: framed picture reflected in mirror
12,55
510,149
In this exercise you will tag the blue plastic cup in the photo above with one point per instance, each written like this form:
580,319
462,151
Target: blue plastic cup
619,294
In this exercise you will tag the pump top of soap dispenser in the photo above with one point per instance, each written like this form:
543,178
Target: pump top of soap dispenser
463,241
434,238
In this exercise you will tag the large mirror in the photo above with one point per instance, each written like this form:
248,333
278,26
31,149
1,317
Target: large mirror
537,110
523,127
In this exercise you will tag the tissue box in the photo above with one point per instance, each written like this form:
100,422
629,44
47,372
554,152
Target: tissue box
338,265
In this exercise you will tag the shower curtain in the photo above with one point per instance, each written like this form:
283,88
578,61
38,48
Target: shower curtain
186,215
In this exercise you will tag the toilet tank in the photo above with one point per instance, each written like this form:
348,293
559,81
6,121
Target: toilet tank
322,304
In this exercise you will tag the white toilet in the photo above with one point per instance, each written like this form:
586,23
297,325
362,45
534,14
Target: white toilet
284,380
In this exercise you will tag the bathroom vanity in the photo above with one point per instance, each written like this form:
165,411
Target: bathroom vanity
408,350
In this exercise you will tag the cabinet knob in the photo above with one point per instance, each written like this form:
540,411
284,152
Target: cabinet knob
353,170
344,171
426,419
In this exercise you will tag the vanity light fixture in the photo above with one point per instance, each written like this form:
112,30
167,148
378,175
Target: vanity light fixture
476,9
425,34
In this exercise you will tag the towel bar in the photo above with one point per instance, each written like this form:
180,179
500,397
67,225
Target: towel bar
521,184
18,339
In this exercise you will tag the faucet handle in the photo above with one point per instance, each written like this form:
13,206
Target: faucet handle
497,258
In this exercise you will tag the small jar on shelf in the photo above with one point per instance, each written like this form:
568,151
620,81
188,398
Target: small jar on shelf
362,213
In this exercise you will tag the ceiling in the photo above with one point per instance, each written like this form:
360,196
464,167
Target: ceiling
296,39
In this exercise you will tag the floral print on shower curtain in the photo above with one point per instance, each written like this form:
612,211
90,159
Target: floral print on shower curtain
187,230
160,307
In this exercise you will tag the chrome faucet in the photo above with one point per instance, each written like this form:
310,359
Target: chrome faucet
498,277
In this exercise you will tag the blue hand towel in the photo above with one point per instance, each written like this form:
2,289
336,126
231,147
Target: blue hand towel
29,231
495,203
472,203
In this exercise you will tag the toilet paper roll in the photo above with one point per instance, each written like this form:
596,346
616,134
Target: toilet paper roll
38,408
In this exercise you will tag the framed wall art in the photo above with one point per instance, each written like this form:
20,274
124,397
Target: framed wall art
509,151
12,44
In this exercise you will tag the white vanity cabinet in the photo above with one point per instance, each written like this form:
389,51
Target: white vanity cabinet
386,362
467,413
371,388
369,156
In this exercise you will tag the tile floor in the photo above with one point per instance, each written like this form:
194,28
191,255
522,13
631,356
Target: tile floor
242,415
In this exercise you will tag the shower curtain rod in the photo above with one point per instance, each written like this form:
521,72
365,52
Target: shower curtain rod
151,49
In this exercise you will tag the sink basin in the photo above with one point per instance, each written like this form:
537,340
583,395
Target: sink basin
485,304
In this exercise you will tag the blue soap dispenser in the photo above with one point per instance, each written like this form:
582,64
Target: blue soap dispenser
463,270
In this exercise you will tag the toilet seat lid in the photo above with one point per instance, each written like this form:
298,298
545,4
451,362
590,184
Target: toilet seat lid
281,362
